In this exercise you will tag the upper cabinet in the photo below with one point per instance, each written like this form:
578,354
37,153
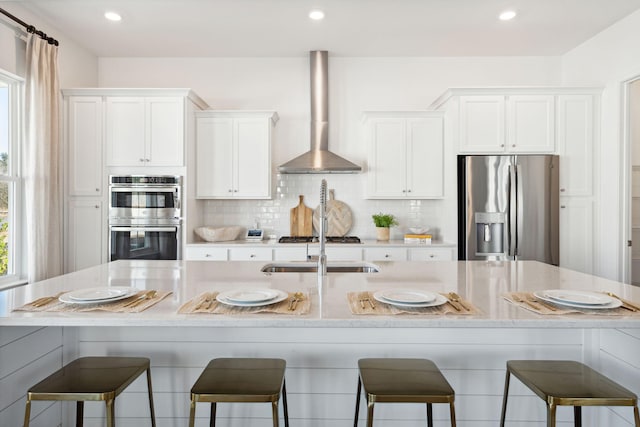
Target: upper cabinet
233,154
145,131
405,154
506,124
83,132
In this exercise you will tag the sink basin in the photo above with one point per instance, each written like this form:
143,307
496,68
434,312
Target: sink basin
312,267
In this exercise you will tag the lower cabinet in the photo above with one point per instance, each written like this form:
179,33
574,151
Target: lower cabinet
206,253
430,254
250,254
298,253
385,254
576,233
338,253
86,234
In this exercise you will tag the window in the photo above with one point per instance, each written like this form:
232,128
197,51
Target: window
10,185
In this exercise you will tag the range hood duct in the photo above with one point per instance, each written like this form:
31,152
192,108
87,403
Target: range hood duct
319,159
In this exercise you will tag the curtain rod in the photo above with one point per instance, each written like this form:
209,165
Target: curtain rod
30,28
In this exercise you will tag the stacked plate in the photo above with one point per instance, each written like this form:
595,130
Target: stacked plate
252,297
409,298
98,295
579,299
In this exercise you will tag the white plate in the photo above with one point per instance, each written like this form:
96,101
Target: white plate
407,296
98,294
66,298
250,295
439,300
281,296
578,297
615,303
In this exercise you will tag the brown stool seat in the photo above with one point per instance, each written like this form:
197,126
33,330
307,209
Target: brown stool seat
403,381
91,379
241,380
567,383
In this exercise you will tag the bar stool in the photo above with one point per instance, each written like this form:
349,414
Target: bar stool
91,379
241,380
567,383
403,381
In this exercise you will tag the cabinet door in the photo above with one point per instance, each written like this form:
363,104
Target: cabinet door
385,254
386,174
85,234
575,144
576,231
84,133
125,131
164,131
250,254
531,124
425,158
252,158
482,124
214,154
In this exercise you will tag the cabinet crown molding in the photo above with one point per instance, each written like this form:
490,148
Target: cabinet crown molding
148,92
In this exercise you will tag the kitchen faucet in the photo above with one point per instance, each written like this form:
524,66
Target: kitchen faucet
322,258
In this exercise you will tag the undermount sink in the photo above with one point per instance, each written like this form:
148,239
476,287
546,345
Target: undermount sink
312,267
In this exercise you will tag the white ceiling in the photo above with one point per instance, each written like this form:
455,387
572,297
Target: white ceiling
256,28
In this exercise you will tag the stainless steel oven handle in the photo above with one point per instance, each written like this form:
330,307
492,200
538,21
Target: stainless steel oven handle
142,189
150,229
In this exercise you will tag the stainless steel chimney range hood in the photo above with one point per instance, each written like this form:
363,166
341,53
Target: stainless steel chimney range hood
319,159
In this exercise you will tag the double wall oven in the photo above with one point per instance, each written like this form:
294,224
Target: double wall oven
145,220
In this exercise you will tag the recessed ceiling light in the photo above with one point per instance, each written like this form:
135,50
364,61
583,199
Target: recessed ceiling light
112,16
316,15
507,15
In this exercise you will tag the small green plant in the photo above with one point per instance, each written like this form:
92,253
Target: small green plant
384,220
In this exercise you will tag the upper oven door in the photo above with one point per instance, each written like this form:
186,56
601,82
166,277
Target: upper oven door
144,202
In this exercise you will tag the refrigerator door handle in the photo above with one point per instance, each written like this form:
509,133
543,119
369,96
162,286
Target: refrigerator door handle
511,251
520,208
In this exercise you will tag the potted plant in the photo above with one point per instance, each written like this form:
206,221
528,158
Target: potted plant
383,222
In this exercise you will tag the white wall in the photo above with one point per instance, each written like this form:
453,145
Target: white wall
78,67
607,60
355,85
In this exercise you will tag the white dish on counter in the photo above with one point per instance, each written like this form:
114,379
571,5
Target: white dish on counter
280,296
578,297
97,295
439,300
407,296
615,303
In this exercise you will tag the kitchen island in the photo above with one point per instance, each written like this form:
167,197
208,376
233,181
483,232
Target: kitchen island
323,346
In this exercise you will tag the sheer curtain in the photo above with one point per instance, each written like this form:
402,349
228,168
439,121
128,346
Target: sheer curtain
41,161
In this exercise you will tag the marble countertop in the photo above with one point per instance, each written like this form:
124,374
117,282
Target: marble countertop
365,242
481,282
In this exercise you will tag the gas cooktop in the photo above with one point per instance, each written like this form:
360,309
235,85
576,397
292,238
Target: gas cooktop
314,239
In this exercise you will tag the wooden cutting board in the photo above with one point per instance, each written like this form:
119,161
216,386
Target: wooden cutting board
339,217
301,219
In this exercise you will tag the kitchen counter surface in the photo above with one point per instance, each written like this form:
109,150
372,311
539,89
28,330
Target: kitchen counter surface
365,242
483,283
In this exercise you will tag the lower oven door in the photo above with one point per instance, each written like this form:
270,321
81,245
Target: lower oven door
144,242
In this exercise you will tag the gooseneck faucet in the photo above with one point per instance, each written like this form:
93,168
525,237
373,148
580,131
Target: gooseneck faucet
322,258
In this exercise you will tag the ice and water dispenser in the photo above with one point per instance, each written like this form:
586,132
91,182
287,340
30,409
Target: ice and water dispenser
489,233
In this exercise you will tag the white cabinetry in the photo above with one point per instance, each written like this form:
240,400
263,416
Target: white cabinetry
405,154
85,227
385,254
506,124
576,234
430,254
233,154
145,131
250,254
206,253
297,253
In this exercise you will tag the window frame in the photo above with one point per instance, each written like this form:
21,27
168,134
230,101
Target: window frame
17,256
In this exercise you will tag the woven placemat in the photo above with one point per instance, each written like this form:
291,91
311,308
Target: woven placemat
364,303
133,304
529,302
207,303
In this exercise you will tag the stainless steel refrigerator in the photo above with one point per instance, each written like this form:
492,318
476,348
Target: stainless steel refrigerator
508,208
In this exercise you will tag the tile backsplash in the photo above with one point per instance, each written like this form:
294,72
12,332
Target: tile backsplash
273,215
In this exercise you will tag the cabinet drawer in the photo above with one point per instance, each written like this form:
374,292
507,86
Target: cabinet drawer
430,254
206,253
290,254
250,254
385,254
338,253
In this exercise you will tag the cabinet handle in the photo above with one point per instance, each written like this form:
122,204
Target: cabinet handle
235,191
562,190
97,206
252,256
207,255
98,190
501,145
432,256
142,160
562,207
514,145
408,191
404,191
230,191
387,255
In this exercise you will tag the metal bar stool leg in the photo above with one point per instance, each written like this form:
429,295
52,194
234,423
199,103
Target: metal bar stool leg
577,416
452,410
429,415
274,413
212,416
636,415
504,398
27,412
355,421
284,403
110,412
192,413
369,413
79,413
149,389
551,415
